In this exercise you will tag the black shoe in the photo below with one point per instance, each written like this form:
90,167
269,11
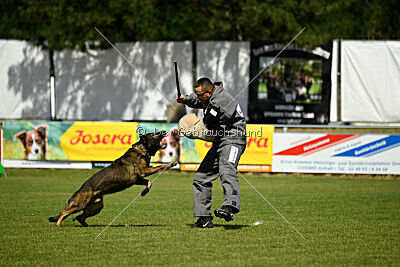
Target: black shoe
225,212
204,222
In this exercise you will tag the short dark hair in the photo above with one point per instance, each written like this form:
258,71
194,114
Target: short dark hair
205,84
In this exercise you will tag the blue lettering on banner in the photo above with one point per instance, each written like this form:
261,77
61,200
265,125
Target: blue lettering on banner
372,148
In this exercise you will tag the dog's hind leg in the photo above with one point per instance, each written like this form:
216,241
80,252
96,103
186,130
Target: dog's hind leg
78,202
54,218
93,208
65,213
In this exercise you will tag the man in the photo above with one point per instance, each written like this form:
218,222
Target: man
222,115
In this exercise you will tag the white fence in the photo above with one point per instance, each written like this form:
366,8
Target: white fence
102,85
369,81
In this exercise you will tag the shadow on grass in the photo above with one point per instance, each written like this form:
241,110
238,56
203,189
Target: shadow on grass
228,226
231,226
123,225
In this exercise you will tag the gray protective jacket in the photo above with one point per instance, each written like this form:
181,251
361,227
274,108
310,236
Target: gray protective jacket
223,115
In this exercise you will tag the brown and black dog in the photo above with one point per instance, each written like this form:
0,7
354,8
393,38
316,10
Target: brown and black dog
124,172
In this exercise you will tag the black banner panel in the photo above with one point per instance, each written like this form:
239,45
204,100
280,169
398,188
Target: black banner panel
293,88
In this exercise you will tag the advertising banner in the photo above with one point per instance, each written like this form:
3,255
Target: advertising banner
67,141
292,86
258,150
98,141
2,171
190,153
106,141
34,140
1,144
73,141
336,153
175,142
257,156
83,140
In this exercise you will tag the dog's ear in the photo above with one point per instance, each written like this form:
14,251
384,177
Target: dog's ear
42,131
21,136
142,139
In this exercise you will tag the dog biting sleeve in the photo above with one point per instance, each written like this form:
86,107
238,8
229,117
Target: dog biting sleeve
193,127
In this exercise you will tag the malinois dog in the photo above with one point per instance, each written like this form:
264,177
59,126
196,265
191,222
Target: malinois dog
124,172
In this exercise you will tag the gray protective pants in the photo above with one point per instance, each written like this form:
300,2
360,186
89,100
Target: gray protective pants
220,161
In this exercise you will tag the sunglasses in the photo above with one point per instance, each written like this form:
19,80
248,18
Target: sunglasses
201,94
208,91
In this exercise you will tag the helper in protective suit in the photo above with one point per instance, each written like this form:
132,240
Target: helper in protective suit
225,126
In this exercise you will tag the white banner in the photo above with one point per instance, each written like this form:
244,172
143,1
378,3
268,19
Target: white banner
370,81
102,85
24,81
10,163
336,153
228,62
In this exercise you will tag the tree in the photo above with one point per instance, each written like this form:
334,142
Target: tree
59,24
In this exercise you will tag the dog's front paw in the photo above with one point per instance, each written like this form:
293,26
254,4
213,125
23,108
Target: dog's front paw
172,164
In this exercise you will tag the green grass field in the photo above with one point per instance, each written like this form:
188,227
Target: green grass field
345,221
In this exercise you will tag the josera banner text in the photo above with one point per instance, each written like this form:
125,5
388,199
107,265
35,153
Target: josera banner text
106,141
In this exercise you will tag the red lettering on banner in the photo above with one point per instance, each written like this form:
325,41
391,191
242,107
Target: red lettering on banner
106,139
126,139
261,142
114,137
250,141
86,139
96,139
75,140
